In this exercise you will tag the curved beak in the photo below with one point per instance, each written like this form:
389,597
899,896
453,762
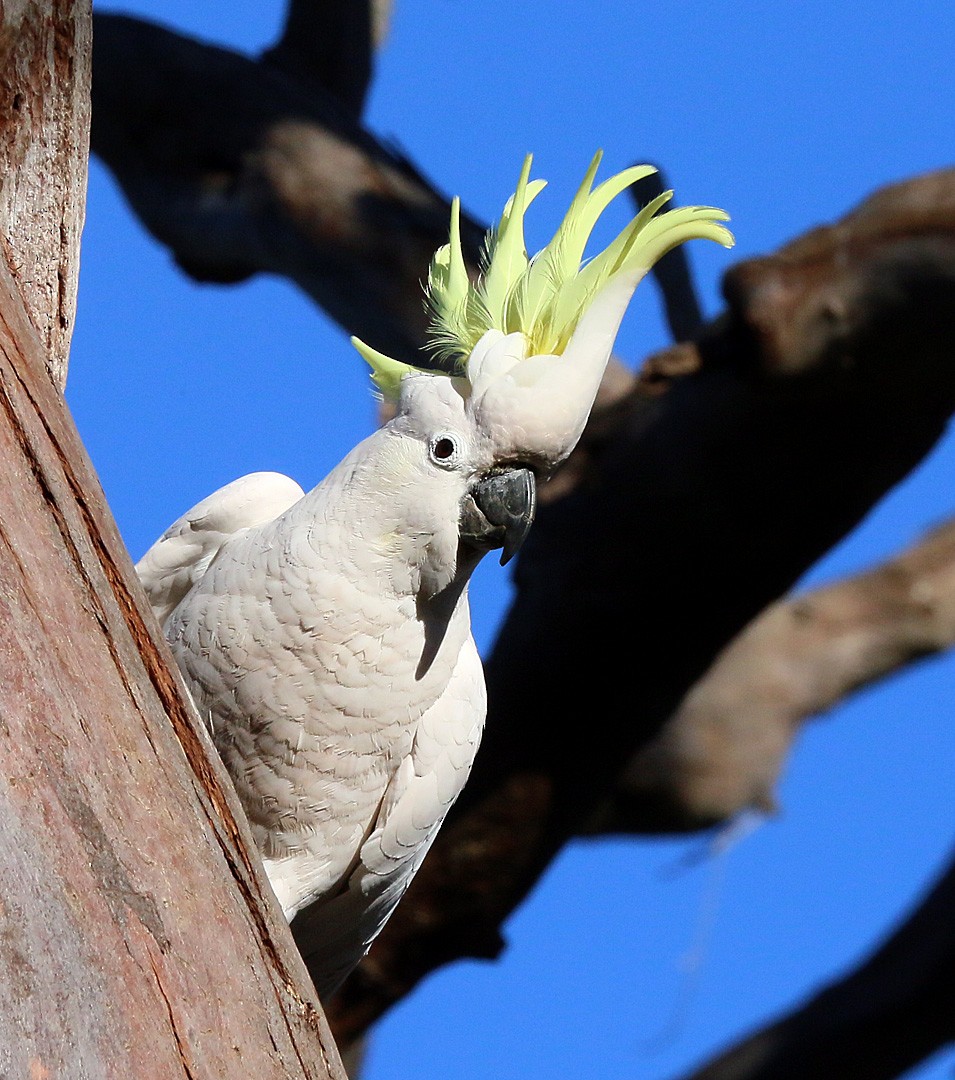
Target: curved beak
498,511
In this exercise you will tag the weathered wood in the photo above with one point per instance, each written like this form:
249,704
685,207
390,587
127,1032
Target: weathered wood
44,147
267,172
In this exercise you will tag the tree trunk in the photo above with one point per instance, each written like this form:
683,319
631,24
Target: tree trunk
137,936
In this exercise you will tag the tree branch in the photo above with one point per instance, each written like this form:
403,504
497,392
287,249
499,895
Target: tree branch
241,168
331,44
680,302
893,1011
725,746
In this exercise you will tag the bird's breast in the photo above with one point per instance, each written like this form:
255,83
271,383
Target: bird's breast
311,677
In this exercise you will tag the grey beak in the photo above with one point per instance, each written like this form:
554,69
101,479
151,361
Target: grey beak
498,511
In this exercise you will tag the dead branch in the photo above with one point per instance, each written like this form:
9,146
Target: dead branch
893,1011
681,304
725,746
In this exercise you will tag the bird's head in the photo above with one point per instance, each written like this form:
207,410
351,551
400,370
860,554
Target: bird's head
523,349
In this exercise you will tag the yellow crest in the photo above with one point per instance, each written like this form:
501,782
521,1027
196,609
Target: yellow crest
545,296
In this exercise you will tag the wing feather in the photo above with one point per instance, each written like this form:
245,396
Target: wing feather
333,934
180,557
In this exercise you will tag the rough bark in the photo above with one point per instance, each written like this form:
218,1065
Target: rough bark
137,936
44,91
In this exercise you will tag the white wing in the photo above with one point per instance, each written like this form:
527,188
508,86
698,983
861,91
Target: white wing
180,557
335,932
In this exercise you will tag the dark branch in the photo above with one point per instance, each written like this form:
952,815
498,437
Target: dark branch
876,1023
240,169
673,276
724,748
329,43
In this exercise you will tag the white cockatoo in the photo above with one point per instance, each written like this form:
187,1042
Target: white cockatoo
325,637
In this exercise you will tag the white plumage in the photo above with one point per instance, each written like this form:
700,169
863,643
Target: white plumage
325,637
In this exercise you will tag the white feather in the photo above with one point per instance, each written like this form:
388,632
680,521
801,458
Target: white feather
326,638
180,557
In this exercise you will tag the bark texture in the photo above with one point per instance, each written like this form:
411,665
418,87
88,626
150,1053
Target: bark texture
137,937
708,483
44,145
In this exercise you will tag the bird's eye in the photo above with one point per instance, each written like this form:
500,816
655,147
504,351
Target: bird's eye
444,450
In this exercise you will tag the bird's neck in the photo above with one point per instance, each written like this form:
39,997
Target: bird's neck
388,523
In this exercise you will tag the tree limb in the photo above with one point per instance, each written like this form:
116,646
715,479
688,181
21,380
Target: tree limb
878,1022
332,44
242,168
725,746
680,302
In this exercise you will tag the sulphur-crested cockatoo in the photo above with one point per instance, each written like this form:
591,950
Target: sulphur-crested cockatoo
325,638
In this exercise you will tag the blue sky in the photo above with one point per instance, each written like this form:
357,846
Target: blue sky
624,962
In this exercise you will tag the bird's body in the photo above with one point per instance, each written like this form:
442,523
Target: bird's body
325,637
329,650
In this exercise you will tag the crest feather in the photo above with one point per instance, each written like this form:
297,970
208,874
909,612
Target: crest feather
545,297
386,373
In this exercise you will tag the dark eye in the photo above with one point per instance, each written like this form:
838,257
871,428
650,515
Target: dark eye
444,449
